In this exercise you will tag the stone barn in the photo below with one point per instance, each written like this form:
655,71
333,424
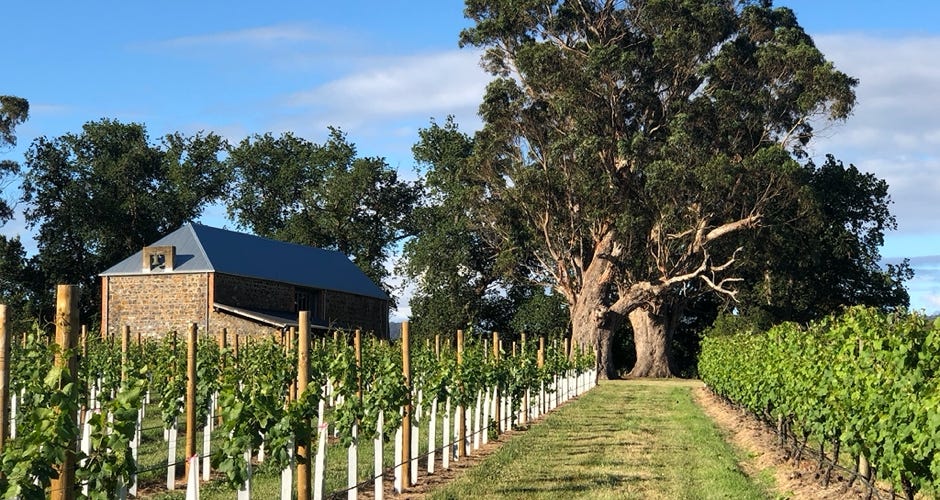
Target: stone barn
244,283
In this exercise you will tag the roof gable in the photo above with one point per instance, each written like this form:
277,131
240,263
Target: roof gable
202,248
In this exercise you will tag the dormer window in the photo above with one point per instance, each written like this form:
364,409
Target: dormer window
158,259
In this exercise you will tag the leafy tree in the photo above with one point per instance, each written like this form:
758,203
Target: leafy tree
453,266
18,280
13,112
462,279
98,196
541,313
821,253
322,195
626,143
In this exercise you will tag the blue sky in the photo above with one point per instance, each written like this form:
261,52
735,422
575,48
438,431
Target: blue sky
381,70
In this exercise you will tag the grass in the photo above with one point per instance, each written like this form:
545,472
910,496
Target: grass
624,439
266,482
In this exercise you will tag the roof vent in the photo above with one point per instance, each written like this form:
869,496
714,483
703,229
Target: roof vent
158,259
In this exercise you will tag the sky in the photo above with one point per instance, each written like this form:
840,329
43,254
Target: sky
381,70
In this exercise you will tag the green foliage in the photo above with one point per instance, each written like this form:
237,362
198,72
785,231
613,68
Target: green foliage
110,461
822,250
252,402
169,375
13,111
47,430
866,379
17,279
97,196
464,277
625,145
321,195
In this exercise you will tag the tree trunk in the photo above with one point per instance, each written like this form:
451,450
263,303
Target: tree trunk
592,332
651,336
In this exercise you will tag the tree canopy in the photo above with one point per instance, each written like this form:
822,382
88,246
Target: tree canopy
625,143
13,111
820,253
461,276
323,195
100,195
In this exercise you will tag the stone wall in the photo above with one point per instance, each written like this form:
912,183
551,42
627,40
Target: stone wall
219,320
253,293
350,312
155,304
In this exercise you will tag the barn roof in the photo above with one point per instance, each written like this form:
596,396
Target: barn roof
202,248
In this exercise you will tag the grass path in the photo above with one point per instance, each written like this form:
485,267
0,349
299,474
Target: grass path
624,439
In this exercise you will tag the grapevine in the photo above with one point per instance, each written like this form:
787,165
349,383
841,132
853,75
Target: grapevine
865,381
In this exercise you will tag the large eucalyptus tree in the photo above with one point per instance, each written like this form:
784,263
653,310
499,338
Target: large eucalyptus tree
628,143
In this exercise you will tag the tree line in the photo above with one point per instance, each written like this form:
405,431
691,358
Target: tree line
642,167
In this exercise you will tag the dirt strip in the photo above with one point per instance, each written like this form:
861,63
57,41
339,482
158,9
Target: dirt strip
793,480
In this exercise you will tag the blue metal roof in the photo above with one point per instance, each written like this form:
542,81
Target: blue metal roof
202,248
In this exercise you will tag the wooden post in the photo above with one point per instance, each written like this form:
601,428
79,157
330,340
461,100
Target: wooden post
303,376
406,418
437,345
497,413
4,376
352,452
525,396
357,346
125,340
66,332
191,394
84,341
461,410
291,345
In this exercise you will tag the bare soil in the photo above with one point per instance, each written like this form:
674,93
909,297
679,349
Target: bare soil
801,479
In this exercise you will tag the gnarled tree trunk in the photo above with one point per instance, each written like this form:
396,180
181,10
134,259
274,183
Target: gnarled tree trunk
652,336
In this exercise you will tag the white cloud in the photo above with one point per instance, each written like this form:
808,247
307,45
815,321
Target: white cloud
894,131
265,36
425,85
934,301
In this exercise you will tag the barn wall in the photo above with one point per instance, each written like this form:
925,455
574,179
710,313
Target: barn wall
155,304
348,311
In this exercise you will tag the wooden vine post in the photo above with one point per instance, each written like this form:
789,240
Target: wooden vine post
525,395
353,451
461,410
125,340
66,333
4,376
191,394
303,376
541,364
291,345
497,407
406,417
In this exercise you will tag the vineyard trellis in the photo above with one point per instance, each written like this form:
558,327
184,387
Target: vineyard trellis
865,383
252,402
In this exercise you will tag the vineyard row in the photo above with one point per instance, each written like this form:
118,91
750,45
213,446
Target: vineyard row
80,408
864,383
